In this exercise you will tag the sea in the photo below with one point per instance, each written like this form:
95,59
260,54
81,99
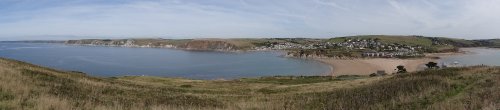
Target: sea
102,61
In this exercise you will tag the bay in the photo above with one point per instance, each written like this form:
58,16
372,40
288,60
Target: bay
120,61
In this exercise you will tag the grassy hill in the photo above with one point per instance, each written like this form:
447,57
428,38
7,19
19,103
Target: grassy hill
495,43
27,86
437,43
454,42
424,41
433,44
408,40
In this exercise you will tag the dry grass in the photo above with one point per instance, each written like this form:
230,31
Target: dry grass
451,89
26,86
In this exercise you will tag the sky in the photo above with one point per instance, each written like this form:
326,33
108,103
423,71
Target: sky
76,19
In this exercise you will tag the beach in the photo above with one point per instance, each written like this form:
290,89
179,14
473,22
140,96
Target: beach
372,65
367,66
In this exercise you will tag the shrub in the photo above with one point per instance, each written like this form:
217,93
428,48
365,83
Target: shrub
186,86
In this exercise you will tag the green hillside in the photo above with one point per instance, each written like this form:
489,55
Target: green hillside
454,42
418,40
408,40
432,44
495,43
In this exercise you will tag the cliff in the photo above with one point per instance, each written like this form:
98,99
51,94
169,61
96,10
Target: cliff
209,45
216,45
34,41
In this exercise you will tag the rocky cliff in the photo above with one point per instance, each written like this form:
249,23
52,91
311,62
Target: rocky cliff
100,42
216,45
151,43
209,45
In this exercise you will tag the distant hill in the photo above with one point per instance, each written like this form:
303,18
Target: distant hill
495,43
35,41
192,44
453,41
423,40
408,40
435,44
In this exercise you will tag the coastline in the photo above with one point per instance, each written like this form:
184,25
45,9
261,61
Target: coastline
353,66
159,47
358,66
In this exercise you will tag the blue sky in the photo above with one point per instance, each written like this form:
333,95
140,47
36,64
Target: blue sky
75,19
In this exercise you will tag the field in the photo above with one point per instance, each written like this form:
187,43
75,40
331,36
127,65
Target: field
27,86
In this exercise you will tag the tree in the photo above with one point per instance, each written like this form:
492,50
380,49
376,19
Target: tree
431,65
401,69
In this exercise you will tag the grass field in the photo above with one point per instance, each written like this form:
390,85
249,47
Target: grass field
27,86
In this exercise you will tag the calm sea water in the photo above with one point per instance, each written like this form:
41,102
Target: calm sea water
477,56
117,61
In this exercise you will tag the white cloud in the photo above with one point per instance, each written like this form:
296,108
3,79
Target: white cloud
254,18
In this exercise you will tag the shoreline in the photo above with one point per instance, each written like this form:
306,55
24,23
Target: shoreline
367,66
357,66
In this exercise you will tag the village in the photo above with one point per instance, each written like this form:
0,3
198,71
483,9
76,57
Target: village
367,47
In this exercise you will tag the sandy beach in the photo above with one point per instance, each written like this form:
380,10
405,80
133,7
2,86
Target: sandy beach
366,66
372,65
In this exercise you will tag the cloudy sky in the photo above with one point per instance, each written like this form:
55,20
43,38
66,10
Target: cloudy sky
74,19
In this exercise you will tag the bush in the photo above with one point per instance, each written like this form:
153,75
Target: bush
186,86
